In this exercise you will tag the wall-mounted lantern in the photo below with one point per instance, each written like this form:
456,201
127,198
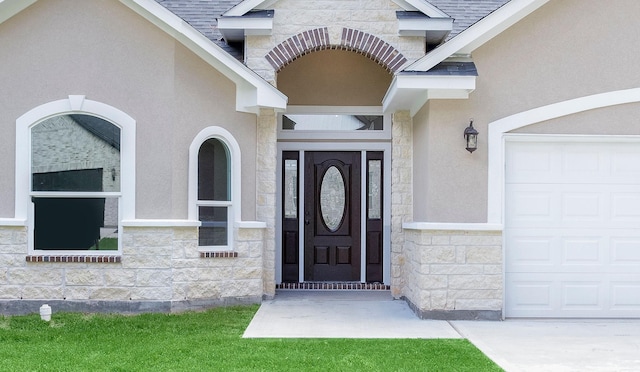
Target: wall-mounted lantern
471,136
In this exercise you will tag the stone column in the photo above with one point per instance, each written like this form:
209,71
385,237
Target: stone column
266,190
401,193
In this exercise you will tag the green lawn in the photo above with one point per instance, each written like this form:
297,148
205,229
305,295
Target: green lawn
209,341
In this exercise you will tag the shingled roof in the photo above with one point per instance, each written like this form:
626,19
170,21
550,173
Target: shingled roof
203,14
466,12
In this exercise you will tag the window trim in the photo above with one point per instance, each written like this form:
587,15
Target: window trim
74,104
351,135
235,168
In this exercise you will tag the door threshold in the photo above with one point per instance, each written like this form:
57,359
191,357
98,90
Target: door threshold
338,286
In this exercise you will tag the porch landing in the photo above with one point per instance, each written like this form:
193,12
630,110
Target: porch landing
341,314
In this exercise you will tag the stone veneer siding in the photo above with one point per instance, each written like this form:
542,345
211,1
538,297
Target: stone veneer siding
161,269
266,164
401,194
292,18
454,274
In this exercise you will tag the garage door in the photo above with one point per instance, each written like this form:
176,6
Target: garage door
572,229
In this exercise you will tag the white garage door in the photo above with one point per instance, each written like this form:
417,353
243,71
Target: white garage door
572,229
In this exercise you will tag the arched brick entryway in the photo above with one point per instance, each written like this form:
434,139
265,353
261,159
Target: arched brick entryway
318,39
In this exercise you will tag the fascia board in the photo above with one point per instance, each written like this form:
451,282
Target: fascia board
411,92
479,33
248,26
9,8
245,7
265,95
424,24
422,6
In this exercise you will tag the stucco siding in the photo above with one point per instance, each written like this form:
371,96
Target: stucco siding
537,62
170,92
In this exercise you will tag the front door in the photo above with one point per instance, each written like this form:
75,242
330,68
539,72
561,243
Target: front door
332,216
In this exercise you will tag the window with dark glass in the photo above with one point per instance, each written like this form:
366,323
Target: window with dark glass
214,194
75,183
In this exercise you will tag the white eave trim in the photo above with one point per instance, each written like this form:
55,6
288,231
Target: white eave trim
479,33
413,91
252,92
9,8
246,6
421,6
236,28
420,26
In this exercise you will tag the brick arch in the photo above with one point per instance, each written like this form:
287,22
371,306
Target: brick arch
352,40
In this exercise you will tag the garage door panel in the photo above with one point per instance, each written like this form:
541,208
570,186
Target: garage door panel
570,295
572,229
625,294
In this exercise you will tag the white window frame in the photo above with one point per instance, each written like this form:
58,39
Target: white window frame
353,135
74,104
233,204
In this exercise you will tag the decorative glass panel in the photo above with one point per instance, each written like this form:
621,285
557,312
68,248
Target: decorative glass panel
375,183
213,230
332,198
75,153
332,122
290,188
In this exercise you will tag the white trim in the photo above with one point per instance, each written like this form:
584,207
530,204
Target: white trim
446,226
13,222
236,28
251,225
421,6
160,223
246,6
234,206
497,137
75,105
348,135
479,33
9,8
411,92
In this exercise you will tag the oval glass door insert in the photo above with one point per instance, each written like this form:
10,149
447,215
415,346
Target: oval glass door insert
332,198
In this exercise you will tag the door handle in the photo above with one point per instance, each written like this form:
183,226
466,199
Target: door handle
306,222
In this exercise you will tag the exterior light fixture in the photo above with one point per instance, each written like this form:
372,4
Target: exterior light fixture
471,136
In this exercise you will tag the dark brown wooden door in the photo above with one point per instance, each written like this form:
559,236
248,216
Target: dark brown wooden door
332,216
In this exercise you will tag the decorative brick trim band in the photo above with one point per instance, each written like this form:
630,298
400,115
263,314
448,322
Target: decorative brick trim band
84,259
335,286
225,254
353,40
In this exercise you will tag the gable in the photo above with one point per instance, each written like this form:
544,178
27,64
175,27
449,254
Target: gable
252,92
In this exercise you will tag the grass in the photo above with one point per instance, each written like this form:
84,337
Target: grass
209,341
106,244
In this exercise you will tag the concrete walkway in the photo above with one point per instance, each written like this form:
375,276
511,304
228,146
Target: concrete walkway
515,345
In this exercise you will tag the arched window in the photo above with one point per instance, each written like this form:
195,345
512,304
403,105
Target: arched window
75,176
214,194
214,187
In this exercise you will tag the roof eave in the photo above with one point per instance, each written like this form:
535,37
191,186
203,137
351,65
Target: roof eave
479,33
234,29
411,91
